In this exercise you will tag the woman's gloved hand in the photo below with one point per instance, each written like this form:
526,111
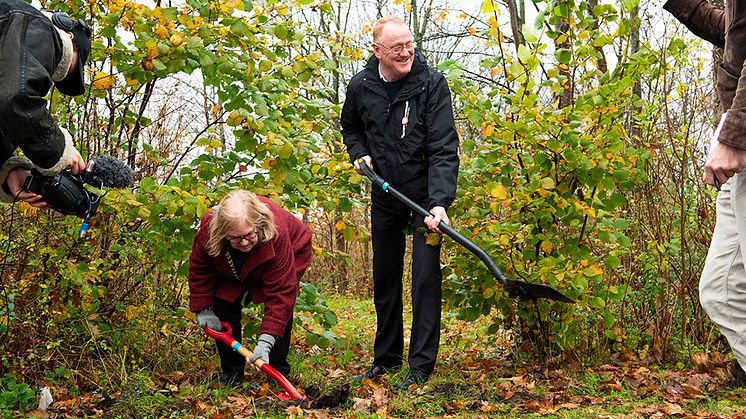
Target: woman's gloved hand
209,319
263,345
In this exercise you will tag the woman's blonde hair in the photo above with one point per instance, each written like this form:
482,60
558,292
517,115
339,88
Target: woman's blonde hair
239,205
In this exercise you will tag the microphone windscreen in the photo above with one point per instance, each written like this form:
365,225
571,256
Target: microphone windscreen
113,172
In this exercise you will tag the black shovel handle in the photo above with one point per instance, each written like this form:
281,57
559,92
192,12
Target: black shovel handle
524,288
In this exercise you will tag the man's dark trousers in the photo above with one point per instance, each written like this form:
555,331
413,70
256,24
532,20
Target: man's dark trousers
389,220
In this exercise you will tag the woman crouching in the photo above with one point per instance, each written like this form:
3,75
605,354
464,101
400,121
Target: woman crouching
248,248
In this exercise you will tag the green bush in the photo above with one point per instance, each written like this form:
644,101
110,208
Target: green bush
16,395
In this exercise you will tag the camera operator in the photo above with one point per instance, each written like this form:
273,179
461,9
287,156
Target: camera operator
37,49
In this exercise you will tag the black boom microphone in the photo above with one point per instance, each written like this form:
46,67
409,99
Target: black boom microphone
110,172
65,193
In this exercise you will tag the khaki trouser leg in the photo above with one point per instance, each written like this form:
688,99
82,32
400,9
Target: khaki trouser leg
722,287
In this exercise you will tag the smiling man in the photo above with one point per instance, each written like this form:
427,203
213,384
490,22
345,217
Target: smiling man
248,248
397,117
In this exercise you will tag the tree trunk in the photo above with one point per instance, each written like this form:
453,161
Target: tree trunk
565,98
602,65
634,47
517,19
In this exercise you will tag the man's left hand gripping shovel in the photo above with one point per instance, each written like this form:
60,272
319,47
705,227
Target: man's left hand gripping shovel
225,336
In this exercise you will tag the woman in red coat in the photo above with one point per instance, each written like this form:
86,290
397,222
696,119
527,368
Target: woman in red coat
248,248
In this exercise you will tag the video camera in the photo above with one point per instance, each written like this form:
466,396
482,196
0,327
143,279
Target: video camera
65,192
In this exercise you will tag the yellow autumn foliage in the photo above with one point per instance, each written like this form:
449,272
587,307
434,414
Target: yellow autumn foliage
103,81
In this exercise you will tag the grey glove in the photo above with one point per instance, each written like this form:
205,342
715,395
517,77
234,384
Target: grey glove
209,319
263,345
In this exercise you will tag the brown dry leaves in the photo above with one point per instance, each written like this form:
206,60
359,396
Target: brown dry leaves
377,402
547,392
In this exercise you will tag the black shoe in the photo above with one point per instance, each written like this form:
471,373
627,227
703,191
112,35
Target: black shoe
227,379
414,377
371,373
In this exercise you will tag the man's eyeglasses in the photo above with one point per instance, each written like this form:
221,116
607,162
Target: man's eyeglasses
397,49
238,239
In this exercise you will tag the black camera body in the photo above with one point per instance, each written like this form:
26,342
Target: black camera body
63,193
67,194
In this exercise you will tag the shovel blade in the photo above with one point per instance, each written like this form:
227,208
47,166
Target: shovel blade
534,291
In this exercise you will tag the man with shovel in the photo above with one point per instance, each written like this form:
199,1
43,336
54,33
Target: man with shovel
398,118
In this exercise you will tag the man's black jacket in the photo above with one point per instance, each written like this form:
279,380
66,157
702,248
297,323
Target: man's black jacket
423,164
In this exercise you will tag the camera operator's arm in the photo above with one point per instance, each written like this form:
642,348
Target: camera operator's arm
29,62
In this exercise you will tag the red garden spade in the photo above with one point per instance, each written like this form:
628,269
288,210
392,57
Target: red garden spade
515,288
225,336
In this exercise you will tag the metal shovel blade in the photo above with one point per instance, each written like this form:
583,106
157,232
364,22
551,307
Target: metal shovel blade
532,291
515,288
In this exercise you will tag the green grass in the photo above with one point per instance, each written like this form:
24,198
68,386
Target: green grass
475,376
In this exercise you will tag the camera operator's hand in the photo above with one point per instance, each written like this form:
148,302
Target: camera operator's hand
77,164
15,180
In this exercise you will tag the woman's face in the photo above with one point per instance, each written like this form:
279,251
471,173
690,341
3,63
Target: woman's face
242,236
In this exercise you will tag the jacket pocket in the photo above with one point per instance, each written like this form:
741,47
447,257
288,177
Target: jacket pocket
726,85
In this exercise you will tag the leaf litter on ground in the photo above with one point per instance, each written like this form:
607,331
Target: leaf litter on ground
476,376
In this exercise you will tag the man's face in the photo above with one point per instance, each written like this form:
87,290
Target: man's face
395,36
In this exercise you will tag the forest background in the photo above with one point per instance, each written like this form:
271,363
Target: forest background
581,123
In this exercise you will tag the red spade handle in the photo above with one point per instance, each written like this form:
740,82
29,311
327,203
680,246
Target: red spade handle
227,338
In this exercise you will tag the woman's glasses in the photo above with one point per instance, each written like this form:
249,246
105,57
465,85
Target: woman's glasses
238,239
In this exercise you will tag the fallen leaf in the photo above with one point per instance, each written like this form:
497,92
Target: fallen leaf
486,407
294,412
671,409
691,391
701,360
632,382
539,405
362,405
339,372
717,359
317,414
379,396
